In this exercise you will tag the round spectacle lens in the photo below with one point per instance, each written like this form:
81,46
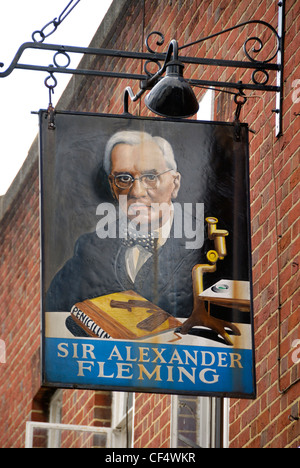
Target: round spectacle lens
149,181
125,181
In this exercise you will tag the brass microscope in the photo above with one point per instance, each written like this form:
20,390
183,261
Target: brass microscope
227,293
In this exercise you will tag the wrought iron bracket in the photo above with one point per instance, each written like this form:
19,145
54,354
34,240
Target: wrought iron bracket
260,75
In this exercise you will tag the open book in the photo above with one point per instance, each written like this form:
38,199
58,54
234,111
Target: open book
122,315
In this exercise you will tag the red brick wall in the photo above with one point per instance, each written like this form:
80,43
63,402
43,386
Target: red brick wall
152,421
19,291
274,173
274,165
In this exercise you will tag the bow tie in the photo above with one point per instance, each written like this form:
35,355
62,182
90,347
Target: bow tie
148,242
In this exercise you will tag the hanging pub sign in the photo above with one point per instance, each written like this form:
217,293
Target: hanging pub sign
146,270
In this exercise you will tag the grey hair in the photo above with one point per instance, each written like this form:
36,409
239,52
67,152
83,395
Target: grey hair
135,138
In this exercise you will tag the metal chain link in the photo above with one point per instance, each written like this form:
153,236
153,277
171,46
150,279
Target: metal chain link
53,25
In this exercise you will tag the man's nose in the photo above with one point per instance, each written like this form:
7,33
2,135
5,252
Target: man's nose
137,189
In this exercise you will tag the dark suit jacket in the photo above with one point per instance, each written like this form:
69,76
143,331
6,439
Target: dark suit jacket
98,268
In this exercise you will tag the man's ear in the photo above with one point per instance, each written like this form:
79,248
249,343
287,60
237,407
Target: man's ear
177,181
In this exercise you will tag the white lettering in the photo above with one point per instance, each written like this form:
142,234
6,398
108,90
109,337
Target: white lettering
84,365
75,345
211,355
144,354
236,358
101,371
88,349
63,347
189,356
128,354
124,369
222,357
143,370
176,357
202,376
179,364
115,353
170,373
191,377
159,355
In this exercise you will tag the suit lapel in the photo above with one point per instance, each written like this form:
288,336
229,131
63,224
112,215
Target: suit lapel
159,275
121,274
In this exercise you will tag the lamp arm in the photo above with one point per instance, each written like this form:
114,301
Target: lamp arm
172,49
150,82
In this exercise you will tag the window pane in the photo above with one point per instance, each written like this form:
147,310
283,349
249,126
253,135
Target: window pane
197,422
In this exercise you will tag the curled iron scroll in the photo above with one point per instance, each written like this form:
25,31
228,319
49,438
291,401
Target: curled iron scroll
147,63
159,43
260,47
256,49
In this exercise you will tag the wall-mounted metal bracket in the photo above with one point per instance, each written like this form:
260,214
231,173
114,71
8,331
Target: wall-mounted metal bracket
260,75
280,61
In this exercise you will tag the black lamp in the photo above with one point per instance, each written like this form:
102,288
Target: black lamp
172,96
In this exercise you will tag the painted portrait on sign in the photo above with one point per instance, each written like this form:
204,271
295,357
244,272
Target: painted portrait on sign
145,228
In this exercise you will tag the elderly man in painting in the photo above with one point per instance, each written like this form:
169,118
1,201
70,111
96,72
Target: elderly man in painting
146,257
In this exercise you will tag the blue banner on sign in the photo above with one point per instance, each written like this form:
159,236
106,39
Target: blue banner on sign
165,368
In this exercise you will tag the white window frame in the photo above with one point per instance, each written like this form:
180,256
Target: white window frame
122,420
31,425
55,415
206,423
226,408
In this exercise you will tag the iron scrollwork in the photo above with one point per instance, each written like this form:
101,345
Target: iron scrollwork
262,65
260,68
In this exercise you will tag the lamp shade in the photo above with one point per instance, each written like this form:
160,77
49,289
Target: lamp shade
172,96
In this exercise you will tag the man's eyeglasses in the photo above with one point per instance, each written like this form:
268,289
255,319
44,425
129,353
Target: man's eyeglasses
149,181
